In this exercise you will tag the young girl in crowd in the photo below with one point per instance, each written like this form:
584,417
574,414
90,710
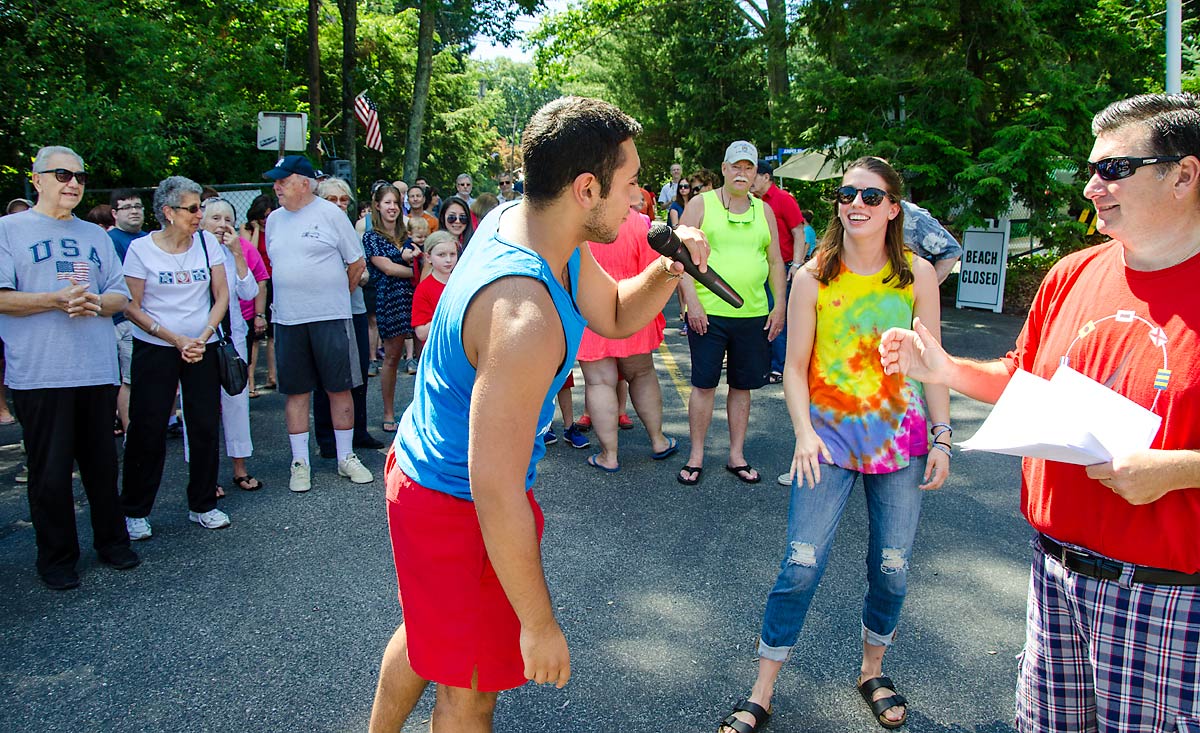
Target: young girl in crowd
441,255
392,270
851,420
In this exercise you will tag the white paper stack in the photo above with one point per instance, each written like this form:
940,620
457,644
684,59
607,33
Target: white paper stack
1070,418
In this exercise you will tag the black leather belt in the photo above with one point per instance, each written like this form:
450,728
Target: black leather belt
1102,568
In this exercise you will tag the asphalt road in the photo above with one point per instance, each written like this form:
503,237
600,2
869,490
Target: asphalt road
278,623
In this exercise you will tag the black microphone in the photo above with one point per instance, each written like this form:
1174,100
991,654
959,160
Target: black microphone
664,241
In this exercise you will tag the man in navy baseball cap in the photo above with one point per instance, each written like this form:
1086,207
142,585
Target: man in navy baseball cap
290,164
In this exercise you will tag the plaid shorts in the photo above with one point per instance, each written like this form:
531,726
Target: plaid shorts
1107,655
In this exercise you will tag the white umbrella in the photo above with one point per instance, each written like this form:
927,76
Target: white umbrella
811,165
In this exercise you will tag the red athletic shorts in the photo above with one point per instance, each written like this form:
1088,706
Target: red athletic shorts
456,617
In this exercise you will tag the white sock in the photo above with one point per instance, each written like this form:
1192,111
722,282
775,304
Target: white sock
299,443
345,443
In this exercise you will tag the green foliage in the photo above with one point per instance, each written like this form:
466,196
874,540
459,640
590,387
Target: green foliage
691,73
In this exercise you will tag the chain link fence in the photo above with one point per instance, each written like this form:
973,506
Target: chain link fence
239,195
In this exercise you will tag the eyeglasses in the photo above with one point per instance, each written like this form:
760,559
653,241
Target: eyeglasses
505,183
684,187
62,175
338,199
870,196
1114,169
193,209
453,218
130,207
464,184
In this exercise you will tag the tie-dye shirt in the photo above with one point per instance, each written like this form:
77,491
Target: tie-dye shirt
871,422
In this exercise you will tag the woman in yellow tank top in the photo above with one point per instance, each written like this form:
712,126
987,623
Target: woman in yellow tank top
852,420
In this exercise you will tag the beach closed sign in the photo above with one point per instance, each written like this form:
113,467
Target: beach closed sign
981,270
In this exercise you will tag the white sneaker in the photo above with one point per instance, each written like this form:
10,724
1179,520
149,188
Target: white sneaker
138,528
301,477
211,519
784,479
353,469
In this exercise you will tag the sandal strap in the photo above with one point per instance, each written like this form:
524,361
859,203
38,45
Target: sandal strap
873,684
884,703
745,706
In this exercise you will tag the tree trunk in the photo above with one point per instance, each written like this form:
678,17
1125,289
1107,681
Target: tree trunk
349,12
314,81
420,99
778,86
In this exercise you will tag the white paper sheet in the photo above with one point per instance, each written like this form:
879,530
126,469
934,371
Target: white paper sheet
1069,418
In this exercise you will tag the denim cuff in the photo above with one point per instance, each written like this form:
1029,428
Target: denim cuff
774,653
874,639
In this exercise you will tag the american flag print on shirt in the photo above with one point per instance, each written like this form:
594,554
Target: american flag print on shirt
78,272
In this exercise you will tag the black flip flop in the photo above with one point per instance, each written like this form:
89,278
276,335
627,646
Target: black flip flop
738,470
692,481
879,707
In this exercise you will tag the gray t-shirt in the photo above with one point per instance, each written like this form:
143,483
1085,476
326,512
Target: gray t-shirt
309,251
40,254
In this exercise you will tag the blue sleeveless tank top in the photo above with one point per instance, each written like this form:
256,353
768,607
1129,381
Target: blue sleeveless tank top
431,440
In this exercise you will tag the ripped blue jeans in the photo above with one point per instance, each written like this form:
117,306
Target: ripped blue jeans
893,506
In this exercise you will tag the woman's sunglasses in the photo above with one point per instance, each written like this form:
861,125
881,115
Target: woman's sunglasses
870,196
1114,169
459,218
62,175
684,187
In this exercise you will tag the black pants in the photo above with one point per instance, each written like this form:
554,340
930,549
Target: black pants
322,421
155,372
63,426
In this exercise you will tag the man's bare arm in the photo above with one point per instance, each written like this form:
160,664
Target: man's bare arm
515,340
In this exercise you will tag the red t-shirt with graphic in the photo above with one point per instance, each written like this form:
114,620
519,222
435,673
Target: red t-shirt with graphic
1139,333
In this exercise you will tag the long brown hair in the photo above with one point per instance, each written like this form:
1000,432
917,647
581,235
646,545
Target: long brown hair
377,218
829,249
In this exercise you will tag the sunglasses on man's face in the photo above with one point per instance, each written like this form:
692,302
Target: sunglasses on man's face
870,196
62,175
1114,169
456,218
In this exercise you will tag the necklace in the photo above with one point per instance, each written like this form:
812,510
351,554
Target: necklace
729,215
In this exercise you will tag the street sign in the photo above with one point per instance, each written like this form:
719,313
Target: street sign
282,131
982,268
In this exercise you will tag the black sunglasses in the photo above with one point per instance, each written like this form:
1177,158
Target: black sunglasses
870,196
62,175
456,218
1114,169
193,209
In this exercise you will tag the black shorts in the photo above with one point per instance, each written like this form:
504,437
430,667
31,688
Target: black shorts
318,354
740,340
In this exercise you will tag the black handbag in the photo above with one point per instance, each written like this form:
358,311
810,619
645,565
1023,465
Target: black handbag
231,368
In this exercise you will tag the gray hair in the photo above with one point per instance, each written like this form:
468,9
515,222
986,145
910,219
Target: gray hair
334,185
462,176
170,192
219,203
44,155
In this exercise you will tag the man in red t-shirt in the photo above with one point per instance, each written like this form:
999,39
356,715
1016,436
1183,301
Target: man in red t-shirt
1114,603
790,223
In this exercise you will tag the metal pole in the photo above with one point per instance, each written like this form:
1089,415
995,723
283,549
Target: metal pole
1174,45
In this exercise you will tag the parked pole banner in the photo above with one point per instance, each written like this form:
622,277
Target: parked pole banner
982,268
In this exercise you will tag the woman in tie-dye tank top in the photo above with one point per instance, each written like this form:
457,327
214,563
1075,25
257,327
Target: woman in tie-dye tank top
852,420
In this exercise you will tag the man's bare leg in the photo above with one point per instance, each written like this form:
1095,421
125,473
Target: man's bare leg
399,687
463,711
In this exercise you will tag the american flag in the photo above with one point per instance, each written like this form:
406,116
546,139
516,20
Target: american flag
74,271
368,113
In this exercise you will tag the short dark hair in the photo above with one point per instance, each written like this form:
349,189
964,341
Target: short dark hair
121,194
570,136
260,206
1173,121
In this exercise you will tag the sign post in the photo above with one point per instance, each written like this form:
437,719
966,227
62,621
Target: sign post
983,265
282,131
